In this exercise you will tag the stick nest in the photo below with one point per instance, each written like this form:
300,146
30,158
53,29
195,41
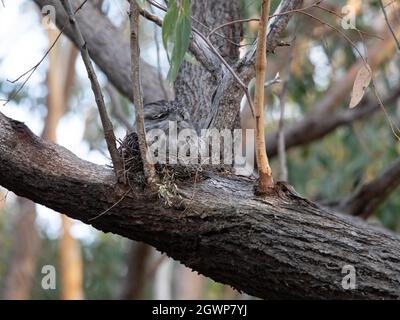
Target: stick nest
168,173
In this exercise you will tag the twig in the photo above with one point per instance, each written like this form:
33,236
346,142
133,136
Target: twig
275,80
151,17
112,207
230,23
148,168
105,120
341,18
230,69
395,129
338,31
314,5
283,176
265,181
30,71
33,69
389,25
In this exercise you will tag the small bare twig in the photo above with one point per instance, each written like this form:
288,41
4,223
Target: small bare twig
281,129
32,70
112,207
105,120
338,31
230,69
275,80
389,25
230,23
341,17
151,17
148,168
395,129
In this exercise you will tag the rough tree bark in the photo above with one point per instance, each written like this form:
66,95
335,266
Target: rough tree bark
195,86
280,246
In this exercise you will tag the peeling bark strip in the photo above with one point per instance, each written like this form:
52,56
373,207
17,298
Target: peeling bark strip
281,246
265,181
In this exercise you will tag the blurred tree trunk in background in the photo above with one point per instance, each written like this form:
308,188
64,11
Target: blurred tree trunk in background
26,243
138,262
60,79
70,263
25,248
188,284
162,283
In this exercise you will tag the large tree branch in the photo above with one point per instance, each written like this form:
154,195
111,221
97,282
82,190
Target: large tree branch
365,201
107,47
316,126
280,246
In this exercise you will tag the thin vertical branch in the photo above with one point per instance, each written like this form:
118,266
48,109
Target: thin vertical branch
265,181
148,168
283,176
138,264
389,25
105,120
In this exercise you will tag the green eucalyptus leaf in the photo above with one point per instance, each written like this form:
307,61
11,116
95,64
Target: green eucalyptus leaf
169,25
176,30
181,45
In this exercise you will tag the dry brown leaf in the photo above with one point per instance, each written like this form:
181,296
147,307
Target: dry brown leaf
363,79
